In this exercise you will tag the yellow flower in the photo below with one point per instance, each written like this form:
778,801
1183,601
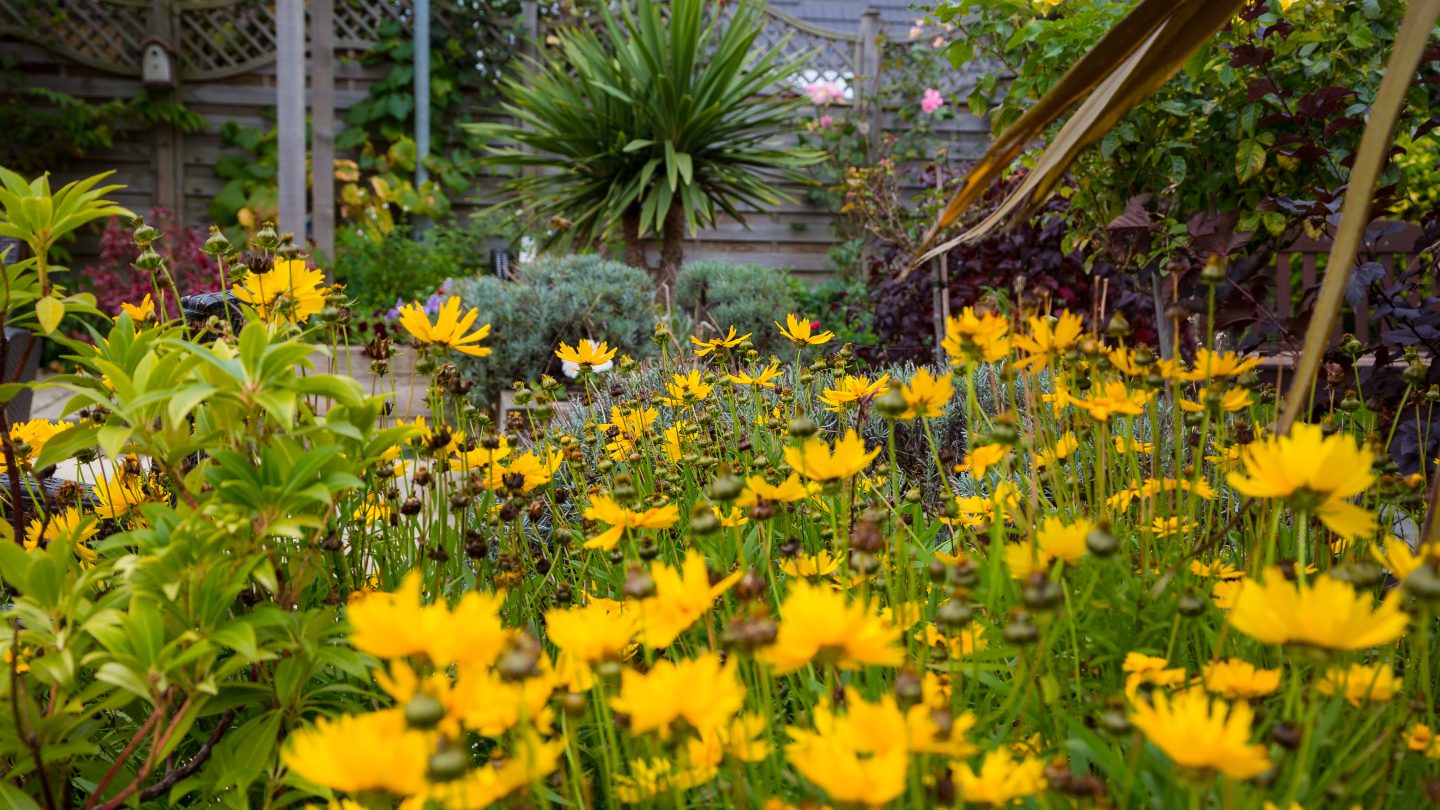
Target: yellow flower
1218,569
1142,670
1418,738
587,353
1002,780
480,457
681,597
818,462
449,327
397,625
860,757
70,526
926,395
1360,683
1227,401
1172,526
704,347
820,564
1055,540
972,338
354,753
1047,342
852,389
594,632
118,497
1227,592
527,470
817,623
1399,560
958,644
139,313
1327,613
371,511
289,293
701,694
605,509
765,379
735,517
30,437
1213,365
658,776
1128,445
792,489
686,390
1113,399
801,332
1239,680
630,421
982,458
1059,451
1202,735
1315,473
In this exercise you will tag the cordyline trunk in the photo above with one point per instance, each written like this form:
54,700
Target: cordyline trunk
630,232
672,249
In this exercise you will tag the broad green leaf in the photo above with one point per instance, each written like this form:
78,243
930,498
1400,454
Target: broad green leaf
1249,159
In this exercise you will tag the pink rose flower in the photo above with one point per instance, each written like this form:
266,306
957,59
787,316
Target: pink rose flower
825,121
931,101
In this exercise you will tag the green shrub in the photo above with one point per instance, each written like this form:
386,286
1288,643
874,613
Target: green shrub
747,296
397,267
554,299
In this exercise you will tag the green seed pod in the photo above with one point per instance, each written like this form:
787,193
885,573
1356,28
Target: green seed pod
424,712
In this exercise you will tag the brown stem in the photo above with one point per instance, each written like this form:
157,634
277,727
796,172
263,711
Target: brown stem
159,744
31,741
189,768
12,467
125,754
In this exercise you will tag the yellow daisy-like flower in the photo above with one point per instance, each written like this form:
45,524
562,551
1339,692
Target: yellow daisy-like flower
859,758
792,489
972,338
449,329
593,632
1210,365
1113,399
682,596
818,462
1314,473
1002,779
363,752
606,510
587,353
1327,613
1055,540
1047,341
1148,670
817,623
686,389
118,497
289,293
1052,454
851,390
29,437
802,332
139,313
398,625
1202,735
926,395
704,347
1397,558
522,473
1235,679
1360,683
820,564
697,694
980,459
765,379
69,526
1226,401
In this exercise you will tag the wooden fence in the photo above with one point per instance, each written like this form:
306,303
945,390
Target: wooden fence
224,52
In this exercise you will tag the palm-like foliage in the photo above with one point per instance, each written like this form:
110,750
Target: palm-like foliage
655,124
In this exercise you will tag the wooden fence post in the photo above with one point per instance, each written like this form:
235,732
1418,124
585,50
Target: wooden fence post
867,81
290,109
322,126
169,141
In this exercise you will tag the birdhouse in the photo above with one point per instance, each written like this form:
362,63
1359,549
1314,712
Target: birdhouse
157,63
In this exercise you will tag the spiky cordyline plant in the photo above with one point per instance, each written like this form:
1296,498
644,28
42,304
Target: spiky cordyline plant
652,125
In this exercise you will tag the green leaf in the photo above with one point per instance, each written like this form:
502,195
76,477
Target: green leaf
49,311
15,798
66,444
1249,159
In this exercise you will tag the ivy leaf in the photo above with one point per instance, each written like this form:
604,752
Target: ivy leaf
1249,159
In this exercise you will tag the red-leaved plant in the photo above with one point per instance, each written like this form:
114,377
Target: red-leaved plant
114,278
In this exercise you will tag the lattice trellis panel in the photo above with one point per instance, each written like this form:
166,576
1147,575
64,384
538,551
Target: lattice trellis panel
357,22
823,55
217,41
104,34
